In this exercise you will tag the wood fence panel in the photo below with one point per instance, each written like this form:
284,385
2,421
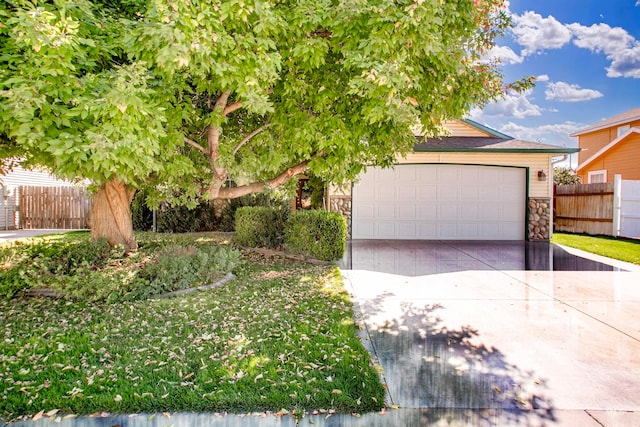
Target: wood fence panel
54,207
584,208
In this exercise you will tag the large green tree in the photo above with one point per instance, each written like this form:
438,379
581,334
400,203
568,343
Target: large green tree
196,94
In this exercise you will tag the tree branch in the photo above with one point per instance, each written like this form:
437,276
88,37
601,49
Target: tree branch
250,136
256,187
195,145
231,108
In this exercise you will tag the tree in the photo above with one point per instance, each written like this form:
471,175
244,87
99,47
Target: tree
197,95
565,176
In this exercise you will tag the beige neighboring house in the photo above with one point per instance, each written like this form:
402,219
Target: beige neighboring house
610,147
475,184
9,192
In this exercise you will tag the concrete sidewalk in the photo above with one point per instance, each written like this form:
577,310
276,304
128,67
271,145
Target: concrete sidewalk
9,235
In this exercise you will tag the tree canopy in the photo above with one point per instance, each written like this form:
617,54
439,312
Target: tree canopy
219,98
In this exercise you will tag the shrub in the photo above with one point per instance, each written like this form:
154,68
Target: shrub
317,234
260,226
180,219
273,199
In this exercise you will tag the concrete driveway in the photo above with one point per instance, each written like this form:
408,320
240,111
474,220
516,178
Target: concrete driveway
500,333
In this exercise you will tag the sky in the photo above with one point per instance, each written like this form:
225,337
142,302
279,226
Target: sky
585,55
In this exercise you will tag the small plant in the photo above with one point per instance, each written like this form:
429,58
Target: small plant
318,234
260,226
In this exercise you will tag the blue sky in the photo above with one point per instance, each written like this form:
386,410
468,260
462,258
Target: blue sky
586,57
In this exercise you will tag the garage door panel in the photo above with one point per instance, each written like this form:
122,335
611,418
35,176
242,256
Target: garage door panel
462,202
427,192
364,211
386,230
385,191
386,210
406,192
406,212
406,230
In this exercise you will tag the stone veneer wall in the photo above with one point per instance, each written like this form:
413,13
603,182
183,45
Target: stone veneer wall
540,221
342,204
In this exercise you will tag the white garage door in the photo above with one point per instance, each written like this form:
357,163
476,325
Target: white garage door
445,202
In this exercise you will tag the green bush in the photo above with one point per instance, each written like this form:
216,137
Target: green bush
258,226
317,234
272,199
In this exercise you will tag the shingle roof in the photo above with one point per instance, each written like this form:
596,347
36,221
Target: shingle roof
460,143
620,119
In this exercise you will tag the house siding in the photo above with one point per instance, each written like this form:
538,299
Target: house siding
622,159
459,128
592,142
534,161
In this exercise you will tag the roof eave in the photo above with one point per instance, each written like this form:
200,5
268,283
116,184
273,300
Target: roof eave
497,150
487,129
605,126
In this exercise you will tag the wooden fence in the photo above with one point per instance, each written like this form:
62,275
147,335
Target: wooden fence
54,207
584,208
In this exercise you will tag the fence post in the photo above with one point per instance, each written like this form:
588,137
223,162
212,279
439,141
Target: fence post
617,204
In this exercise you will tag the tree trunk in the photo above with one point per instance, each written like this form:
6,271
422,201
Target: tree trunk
111,215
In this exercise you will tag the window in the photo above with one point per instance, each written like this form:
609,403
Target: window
595,177
623,129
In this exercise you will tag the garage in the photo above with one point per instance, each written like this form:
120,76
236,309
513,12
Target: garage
440,201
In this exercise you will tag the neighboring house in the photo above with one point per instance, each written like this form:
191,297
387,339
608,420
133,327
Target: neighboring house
9,194
476,184
610,147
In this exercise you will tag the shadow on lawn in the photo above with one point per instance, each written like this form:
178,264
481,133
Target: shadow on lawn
450,371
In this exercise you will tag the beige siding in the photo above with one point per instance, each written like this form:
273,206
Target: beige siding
458,128
535,162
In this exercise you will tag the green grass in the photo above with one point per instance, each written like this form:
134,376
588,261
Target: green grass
279,336
620,249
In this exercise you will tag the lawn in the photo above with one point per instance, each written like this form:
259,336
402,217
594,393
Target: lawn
279,336
620,249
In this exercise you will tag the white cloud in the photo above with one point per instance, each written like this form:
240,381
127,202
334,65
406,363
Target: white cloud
565,92
620,47
542,78
536,33
517,105
626,63
553,134
504,54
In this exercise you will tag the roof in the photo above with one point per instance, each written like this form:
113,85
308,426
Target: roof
495,145
609,147
486,129
620,119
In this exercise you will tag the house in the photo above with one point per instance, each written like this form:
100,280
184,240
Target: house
475,184
10,195
609,148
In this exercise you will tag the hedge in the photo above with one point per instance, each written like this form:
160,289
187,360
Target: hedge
258,226
317,234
